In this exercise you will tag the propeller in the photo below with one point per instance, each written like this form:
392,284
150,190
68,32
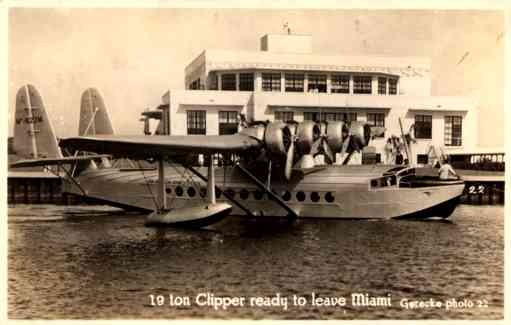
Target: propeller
289,160
294,137
322,144
290,152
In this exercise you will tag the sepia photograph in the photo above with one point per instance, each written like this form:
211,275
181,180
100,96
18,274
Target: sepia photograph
262,163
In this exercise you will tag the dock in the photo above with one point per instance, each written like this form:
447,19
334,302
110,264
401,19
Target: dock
37,187
483,187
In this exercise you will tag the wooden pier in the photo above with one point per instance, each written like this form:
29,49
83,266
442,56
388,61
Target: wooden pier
483,187
37,187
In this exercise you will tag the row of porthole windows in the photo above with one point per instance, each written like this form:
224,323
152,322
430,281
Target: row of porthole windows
244,194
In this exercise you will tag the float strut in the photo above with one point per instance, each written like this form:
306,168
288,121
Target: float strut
211,181
161,185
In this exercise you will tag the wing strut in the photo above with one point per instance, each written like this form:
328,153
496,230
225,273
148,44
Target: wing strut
278,200
162,196
211,181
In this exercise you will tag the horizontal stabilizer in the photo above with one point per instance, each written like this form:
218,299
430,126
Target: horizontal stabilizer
153,114
54,161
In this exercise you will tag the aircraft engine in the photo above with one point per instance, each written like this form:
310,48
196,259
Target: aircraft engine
334,135
278,138
307,133
361,133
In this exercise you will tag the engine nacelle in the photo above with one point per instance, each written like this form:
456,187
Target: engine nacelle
307,133
334,131
361,133
277,137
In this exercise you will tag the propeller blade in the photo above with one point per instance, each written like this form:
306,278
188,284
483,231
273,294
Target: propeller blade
322,129
289,161
315,146
292,128
328,151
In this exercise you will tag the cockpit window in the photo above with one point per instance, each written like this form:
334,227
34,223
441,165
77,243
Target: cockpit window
383,181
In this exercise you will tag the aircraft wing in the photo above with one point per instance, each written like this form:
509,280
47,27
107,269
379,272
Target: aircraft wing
158,146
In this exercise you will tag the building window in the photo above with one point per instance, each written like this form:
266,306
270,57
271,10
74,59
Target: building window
340,84
376,119
214,83
195,84
196,122
311,116
246,82
392,86
452,135
294,82
423,126
345,117
271,81
362,84
317,82
229,81
227,122
371,158
329,116
382,86
284,116
422,159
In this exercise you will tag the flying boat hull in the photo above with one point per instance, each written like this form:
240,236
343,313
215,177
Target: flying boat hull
336,192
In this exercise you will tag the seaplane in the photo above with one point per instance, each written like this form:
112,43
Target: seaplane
268,169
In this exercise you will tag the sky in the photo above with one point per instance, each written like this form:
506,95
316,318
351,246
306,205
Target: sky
134,55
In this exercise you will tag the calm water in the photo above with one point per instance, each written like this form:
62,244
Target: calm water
95,262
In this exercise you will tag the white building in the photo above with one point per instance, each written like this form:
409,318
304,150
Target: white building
286,81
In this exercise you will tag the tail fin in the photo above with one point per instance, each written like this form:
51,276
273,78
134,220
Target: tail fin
33,133
93,115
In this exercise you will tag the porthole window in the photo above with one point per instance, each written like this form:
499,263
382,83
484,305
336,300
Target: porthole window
230,192
191,192
203,192
168,190
179,191
244,194
315,197
300,196
258,195
286,196
329,197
